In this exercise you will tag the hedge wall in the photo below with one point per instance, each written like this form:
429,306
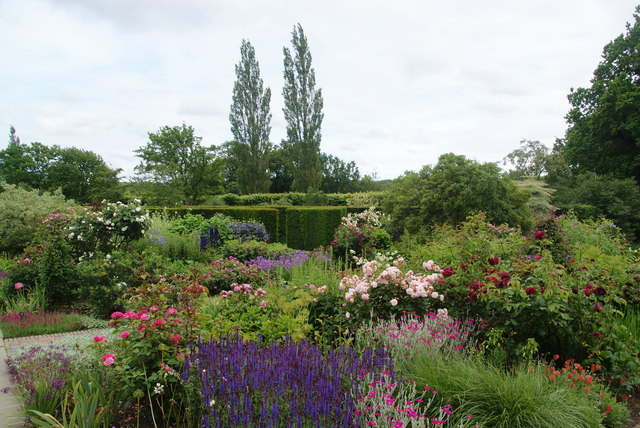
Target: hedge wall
311,227
300,199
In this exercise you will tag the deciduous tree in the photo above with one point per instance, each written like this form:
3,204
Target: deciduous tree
174,156
303,113
250,119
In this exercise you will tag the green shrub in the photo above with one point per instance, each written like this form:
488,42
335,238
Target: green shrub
249,250
22,213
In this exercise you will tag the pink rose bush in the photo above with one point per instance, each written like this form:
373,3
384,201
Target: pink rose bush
391,290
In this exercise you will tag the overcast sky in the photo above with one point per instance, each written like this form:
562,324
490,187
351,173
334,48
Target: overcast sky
403,81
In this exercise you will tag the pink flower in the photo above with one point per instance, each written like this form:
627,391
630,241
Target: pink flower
393,302
98,339
539,235
26,260
124,334
153,309
108,359
174,337
171,311
263,303
18,285
117,315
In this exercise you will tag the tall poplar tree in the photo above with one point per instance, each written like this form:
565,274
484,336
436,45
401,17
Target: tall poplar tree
250,119
303,113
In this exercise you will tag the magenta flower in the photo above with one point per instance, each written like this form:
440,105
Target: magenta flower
174,337
26,260
153,309
124,334
18,285
597,307
98,339
263,303
539,235
108,359
171,311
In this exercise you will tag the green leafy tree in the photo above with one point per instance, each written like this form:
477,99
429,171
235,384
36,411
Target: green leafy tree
339,176
604,121
593,196
452,190
303,113
250,119
541,195
528,160
175,157
281,169
26,164
83,176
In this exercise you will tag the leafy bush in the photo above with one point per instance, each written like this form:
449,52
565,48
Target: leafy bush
220,274
113,227
359,235
254,314
22,212
249,250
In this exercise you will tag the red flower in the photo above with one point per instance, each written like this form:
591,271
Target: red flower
539,235
493,260
530,291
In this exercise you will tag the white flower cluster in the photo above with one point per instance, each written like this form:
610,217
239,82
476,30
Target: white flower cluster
369,216
414,285
383,260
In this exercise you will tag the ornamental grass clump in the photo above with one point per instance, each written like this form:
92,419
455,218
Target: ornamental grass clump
255,384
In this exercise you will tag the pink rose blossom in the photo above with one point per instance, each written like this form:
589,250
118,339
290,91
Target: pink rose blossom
174,337
153,309
171,311
108,359
98,339
124,334
117,315
26,260
18,285
263,303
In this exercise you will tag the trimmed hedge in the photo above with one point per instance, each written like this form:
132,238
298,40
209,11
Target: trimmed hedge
299,199
311,227
301,228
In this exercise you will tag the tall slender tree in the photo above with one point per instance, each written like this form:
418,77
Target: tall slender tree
303,113
250,119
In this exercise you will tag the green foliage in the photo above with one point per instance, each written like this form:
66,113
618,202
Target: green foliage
539,202
604,123
338,176
174,156
21,214
529,160
497,398
249,250
593,196
220,274
283,314
303,113
312,227
250,119
81,174
451,190
568,303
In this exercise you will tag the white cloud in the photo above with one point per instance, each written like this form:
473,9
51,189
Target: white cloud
403,82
